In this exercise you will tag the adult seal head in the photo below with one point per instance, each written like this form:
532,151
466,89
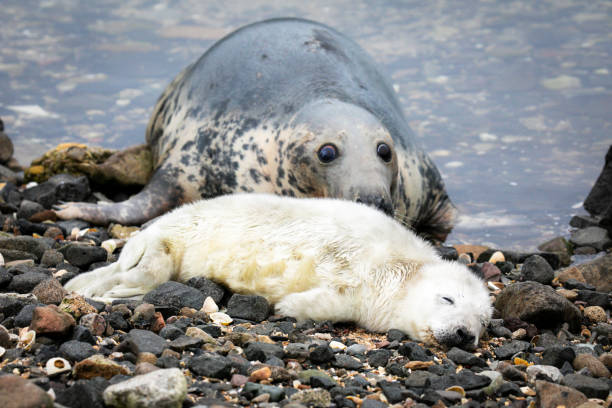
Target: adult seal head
289,107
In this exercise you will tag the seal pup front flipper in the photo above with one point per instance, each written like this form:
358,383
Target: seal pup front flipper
159,196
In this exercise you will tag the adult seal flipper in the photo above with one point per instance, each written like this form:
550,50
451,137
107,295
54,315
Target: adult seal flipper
157,197
290,107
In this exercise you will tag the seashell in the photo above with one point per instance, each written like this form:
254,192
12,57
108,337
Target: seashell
27,338
57,365
2,351
74,234
497,256
220,318
110,245
209,305
1,260
337,346
458,389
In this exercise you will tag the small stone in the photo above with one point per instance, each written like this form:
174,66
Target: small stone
94,322
356,349
378,357
396,335
595,237
145,341
263,351
248,307
208,288
605,358
144,368
596,367
5,338
76,306
183,343
146,357
543,372
200,334
83,256
591,387
260,374
25,282
313,398
49,291
465,358
165,388
51,320
558,355
321,354
415,352
490,272
238,380
18,392
143,315
83,393
211,365
570,295
593,298
595,314
24,317
535,268
175,295
76,350
509,349
98,366
346,361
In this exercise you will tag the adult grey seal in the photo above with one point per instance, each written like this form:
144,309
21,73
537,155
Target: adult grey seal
290,107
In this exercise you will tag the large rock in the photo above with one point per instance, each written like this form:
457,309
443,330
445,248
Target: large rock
553,395
594,237
537,269
51,320
165,388
595,272
17,392
538,304
599,200
589,386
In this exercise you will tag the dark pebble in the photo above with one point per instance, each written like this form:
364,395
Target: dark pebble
262,351
83,334
393,391
248,307
208,288
24,317
118,322
83,255
535,268
589,386
175,295
75,350
372,403
28,208
378,357
140,341
396,335
84,393
346,361
463,357
558,355
509,349
211,365
447,252
24,283
593,298
415,352
183,343
321,354
320,381
70,188
171,332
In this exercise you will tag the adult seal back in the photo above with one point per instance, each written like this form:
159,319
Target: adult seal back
290,107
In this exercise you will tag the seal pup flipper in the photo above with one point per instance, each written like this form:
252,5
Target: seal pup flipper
159,196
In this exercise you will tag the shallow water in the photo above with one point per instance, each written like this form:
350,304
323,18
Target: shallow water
511,98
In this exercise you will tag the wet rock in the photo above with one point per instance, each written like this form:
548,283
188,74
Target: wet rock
535,268
595,272
75,350
28,208
140,341
211,365
599,199
16,392
49,291
26,244
595,237
249,307
51,320
25,282
208,288
84,393
321,354
538,304
596,367
83,256
378,357
463,357
51,257
509,349
263,351
551,395
165,388
98,366
591,387
175,295
594,298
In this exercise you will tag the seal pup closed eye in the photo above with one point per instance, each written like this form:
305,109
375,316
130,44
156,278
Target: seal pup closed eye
289,107
320,259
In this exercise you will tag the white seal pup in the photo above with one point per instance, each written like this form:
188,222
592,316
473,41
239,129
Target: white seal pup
323,259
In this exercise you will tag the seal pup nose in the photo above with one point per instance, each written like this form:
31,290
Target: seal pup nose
461,338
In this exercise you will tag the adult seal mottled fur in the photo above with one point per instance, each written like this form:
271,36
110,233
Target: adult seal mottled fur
289,107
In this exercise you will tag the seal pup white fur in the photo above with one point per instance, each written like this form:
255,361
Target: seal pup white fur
321,259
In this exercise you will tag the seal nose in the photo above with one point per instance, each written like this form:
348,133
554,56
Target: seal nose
461,338
377,202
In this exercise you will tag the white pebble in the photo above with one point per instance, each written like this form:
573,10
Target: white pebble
497,256
220,318
337,346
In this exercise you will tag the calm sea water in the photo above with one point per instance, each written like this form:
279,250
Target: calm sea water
513,99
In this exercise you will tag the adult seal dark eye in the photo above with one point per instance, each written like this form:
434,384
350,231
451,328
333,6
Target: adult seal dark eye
384,152
327,153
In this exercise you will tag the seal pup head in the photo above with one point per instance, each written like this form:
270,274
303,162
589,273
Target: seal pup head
444,303
343,151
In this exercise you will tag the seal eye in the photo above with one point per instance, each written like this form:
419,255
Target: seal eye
327,153
384,152
448,300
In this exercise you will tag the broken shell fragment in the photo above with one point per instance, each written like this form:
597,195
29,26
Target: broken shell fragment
57,365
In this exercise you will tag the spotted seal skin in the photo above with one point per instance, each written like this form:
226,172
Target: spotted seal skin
289,107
